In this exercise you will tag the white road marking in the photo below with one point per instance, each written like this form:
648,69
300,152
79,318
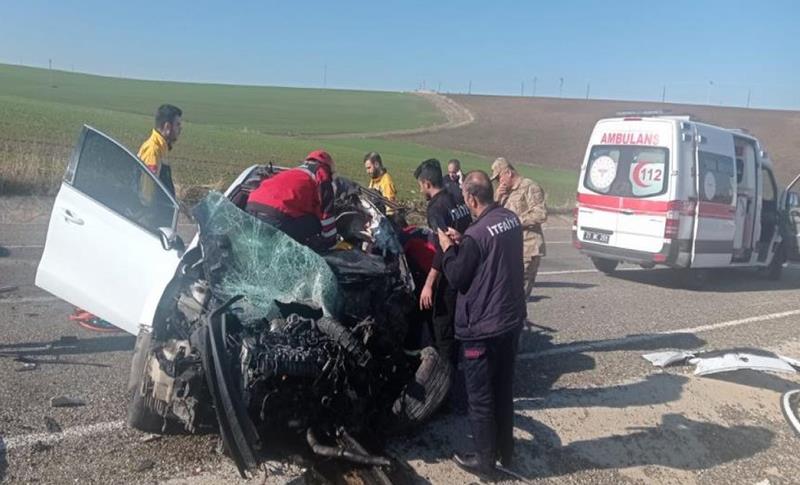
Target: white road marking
567,271
21,441
571,349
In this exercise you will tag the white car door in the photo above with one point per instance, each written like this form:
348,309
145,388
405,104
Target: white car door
104,250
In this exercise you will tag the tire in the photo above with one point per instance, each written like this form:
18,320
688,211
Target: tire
427,390
694,279
140,414
774,270
607,266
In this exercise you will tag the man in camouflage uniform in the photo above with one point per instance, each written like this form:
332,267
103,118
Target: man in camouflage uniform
525,198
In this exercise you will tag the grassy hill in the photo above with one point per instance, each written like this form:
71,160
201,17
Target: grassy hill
226,128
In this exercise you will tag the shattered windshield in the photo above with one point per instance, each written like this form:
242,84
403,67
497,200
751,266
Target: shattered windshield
246,256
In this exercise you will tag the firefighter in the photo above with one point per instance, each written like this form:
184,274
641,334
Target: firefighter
299,201
485,266
526,199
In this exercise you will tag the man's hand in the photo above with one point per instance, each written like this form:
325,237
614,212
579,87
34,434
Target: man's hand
502,191
444,240
454,235
426,297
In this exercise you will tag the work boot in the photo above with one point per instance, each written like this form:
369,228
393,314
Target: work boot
476,465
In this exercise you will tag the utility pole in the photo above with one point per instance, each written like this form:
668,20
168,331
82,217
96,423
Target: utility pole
522,89
325,76
587,90
560,86
50,69
439,87
708,92
534,86
664,93
469,90
748,97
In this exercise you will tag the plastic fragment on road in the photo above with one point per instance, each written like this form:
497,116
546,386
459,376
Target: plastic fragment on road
792,362
261,262
66,402
738,361
667,357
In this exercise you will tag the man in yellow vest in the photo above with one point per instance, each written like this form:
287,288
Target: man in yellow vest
164,135
379,178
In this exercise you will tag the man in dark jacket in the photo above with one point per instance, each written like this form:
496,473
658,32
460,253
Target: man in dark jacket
485,266
299,201
443,212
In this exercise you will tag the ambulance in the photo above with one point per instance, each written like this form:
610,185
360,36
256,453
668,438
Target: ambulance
672,191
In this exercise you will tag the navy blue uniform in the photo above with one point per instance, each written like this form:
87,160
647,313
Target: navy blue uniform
487,271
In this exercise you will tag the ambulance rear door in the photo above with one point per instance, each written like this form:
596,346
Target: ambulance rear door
715,205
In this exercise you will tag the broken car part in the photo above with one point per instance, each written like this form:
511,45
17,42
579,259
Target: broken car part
737,361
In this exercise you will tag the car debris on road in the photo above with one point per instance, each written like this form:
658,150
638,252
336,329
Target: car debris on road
66,402
716,363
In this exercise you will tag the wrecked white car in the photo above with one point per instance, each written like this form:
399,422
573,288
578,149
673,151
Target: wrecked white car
245,332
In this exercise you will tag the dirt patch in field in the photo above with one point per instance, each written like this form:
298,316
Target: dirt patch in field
553,132
456,114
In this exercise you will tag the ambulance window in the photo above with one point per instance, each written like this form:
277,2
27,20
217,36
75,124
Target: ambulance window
627,171
717,178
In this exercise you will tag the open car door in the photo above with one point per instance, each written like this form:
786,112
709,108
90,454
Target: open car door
790,221
108,245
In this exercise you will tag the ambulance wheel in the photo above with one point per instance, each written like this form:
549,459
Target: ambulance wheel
694,279
606,266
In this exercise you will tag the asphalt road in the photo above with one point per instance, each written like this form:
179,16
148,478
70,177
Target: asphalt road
589,408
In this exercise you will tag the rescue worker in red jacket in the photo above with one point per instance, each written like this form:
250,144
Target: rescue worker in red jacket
299,201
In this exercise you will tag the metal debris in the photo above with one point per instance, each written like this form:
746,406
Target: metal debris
144,465
66,402
148,438
738,361
668,357
26,366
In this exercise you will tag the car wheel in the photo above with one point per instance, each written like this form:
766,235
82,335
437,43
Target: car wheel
427,390
606,266
140,414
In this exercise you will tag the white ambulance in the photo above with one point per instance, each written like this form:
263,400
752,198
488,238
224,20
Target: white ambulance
667,190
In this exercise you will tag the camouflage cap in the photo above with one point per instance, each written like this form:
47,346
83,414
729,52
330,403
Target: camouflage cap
498,166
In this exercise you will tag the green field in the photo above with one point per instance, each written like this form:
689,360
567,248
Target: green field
222,133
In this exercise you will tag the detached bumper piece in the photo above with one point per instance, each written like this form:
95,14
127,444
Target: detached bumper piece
238,432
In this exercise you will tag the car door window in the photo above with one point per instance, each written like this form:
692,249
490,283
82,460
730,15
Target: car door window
110,175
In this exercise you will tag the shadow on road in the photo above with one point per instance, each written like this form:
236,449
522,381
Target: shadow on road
51,352
677,442
720,280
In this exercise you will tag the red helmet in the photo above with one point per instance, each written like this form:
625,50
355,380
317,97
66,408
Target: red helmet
320,156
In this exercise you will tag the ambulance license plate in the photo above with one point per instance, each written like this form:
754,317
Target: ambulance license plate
598,237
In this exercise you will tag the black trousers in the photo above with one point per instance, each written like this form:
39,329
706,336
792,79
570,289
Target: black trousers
301,229
443,320
489,373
